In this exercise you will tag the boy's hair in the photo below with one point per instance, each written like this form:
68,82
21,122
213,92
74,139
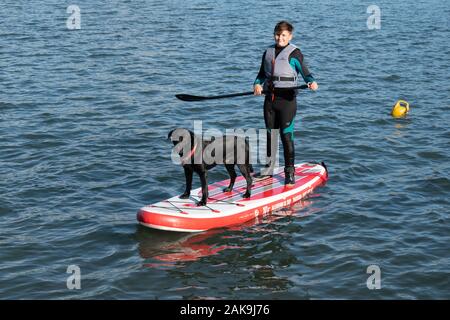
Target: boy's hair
283,25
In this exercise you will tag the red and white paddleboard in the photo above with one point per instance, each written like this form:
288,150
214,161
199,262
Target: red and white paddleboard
229,208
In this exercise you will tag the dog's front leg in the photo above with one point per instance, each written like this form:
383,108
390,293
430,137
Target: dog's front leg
188,175
204,182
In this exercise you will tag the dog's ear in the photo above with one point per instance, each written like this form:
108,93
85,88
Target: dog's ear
170,134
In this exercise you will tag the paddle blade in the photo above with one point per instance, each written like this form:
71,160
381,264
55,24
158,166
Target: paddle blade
188,97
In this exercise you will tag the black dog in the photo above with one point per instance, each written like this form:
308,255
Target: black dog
199,156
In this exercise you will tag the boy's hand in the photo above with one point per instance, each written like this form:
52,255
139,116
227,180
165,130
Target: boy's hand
257,89
313,86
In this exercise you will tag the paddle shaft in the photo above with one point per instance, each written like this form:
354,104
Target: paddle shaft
188,97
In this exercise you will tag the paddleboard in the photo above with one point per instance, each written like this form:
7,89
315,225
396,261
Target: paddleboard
229,208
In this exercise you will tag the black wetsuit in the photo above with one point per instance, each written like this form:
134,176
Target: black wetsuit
281,106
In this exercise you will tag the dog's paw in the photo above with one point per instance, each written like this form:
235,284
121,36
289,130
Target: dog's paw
185,196
227,189
246,195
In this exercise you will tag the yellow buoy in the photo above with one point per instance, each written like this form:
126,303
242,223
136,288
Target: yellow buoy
400,109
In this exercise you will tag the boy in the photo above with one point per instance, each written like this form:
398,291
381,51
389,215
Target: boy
280,66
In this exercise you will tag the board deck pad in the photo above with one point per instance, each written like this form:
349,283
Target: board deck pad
229,208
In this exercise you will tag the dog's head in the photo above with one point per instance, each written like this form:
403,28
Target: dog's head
179,135
184,141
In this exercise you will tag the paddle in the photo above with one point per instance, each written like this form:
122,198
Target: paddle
188,97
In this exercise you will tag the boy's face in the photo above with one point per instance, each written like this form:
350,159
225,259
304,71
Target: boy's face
282,38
